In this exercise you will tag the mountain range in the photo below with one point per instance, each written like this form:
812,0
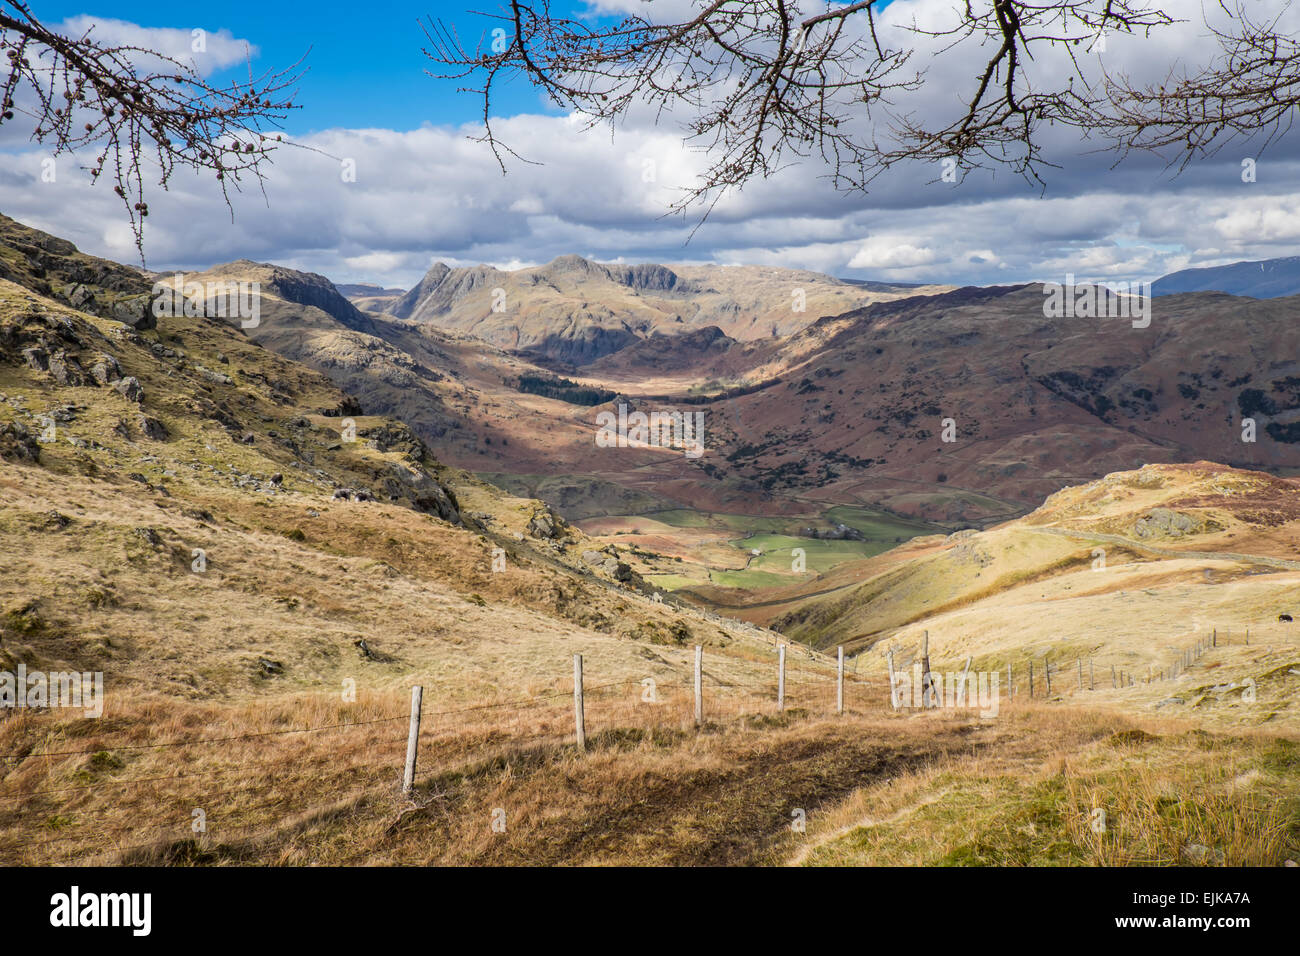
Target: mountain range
235,517
1269,279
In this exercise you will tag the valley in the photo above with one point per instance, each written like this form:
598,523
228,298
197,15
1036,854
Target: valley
263,535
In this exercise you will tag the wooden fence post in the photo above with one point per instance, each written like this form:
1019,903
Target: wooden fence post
780,678
412,739
1079,661
893,699
699,686
1214,638
579,715
1047,670
927,683
1010,691
1113,681
965,682
1031,680
839,681
1092,676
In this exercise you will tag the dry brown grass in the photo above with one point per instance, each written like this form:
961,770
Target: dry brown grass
874,786
1078,787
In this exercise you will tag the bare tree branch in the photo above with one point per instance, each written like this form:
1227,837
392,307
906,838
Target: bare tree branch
765,82
128,103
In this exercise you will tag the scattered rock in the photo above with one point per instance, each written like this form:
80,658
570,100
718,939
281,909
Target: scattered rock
216,378
66,370
106,370
1162,521
135,312
130,389
269,667
18,444
248,438
277,478
545,523
148,536
1197,853
65,414
36,358
348,408
153,429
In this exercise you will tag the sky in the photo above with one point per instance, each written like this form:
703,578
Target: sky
424,191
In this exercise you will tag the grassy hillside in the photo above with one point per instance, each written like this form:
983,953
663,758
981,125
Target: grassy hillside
261,571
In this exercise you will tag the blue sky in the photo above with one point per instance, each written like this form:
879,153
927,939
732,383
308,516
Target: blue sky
365,64
426,192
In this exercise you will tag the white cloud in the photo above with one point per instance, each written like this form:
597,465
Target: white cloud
882,253
206,50
433,194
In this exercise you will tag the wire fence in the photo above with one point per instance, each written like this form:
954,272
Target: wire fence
456,739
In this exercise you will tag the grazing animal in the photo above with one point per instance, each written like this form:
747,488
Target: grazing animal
1284,617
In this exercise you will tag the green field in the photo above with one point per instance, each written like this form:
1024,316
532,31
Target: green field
879,525
776,538
819,556
686,518
751,580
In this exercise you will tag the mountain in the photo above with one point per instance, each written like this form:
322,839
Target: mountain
1269,279
186,513
575,311
851,410
370,298
848,410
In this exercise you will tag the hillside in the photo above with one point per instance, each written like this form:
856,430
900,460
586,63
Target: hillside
184,511
1132,567
126,450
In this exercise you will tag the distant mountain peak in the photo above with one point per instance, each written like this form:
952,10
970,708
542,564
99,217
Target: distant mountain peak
1262,279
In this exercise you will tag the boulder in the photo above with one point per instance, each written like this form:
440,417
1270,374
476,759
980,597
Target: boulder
135,312
152,429
1163,522
66,370
106,370
36,358
130,389
18,444
546,524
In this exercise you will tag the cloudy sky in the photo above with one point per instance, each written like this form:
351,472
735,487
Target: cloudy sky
424,191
